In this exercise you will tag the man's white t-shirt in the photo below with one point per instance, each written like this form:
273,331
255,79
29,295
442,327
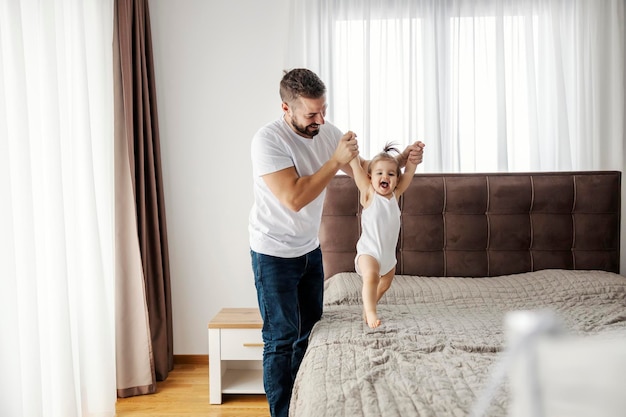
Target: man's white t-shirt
275,229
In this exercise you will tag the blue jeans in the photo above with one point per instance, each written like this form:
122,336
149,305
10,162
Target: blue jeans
290,294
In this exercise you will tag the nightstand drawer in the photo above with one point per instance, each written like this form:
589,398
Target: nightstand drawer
241,344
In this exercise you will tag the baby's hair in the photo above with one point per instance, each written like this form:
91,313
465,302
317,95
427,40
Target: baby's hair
386,155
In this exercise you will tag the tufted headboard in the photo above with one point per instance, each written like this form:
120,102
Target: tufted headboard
481,225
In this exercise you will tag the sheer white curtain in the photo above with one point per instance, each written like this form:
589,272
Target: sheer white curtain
56,209
488,85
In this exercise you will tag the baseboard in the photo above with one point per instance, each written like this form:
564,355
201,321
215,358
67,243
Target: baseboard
191,359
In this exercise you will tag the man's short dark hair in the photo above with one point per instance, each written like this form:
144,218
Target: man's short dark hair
301,82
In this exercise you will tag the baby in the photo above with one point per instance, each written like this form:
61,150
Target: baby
380,188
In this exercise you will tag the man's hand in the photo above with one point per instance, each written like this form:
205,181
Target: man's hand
347,149
414,153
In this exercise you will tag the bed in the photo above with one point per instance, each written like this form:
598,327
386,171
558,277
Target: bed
472,249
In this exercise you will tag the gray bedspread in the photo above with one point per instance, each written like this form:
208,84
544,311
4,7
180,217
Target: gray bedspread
439,340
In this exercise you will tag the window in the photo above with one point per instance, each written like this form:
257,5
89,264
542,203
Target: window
507,86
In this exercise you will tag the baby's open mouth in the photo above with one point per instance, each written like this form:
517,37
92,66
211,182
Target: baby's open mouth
384,184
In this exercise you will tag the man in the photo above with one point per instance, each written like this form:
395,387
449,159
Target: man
293,160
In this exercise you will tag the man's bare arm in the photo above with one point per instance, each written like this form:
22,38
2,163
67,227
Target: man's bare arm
295,192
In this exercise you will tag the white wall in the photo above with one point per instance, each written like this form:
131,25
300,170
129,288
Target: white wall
218,64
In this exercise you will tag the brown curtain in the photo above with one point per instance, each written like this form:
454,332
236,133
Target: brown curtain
143,303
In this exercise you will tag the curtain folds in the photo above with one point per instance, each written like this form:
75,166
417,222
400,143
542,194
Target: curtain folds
144,315
57,352
488,85
85,303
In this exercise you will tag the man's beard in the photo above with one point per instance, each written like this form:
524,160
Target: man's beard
306,131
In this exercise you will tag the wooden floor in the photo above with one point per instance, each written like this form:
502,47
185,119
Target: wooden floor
185,392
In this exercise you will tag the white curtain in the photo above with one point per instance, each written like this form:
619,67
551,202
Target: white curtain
488,85
56,209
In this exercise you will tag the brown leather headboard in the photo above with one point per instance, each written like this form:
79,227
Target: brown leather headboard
480,225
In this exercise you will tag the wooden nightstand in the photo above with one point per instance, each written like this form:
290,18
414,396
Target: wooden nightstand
235,353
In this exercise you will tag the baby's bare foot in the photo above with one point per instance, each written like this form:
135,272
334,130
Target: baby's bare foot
372,320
